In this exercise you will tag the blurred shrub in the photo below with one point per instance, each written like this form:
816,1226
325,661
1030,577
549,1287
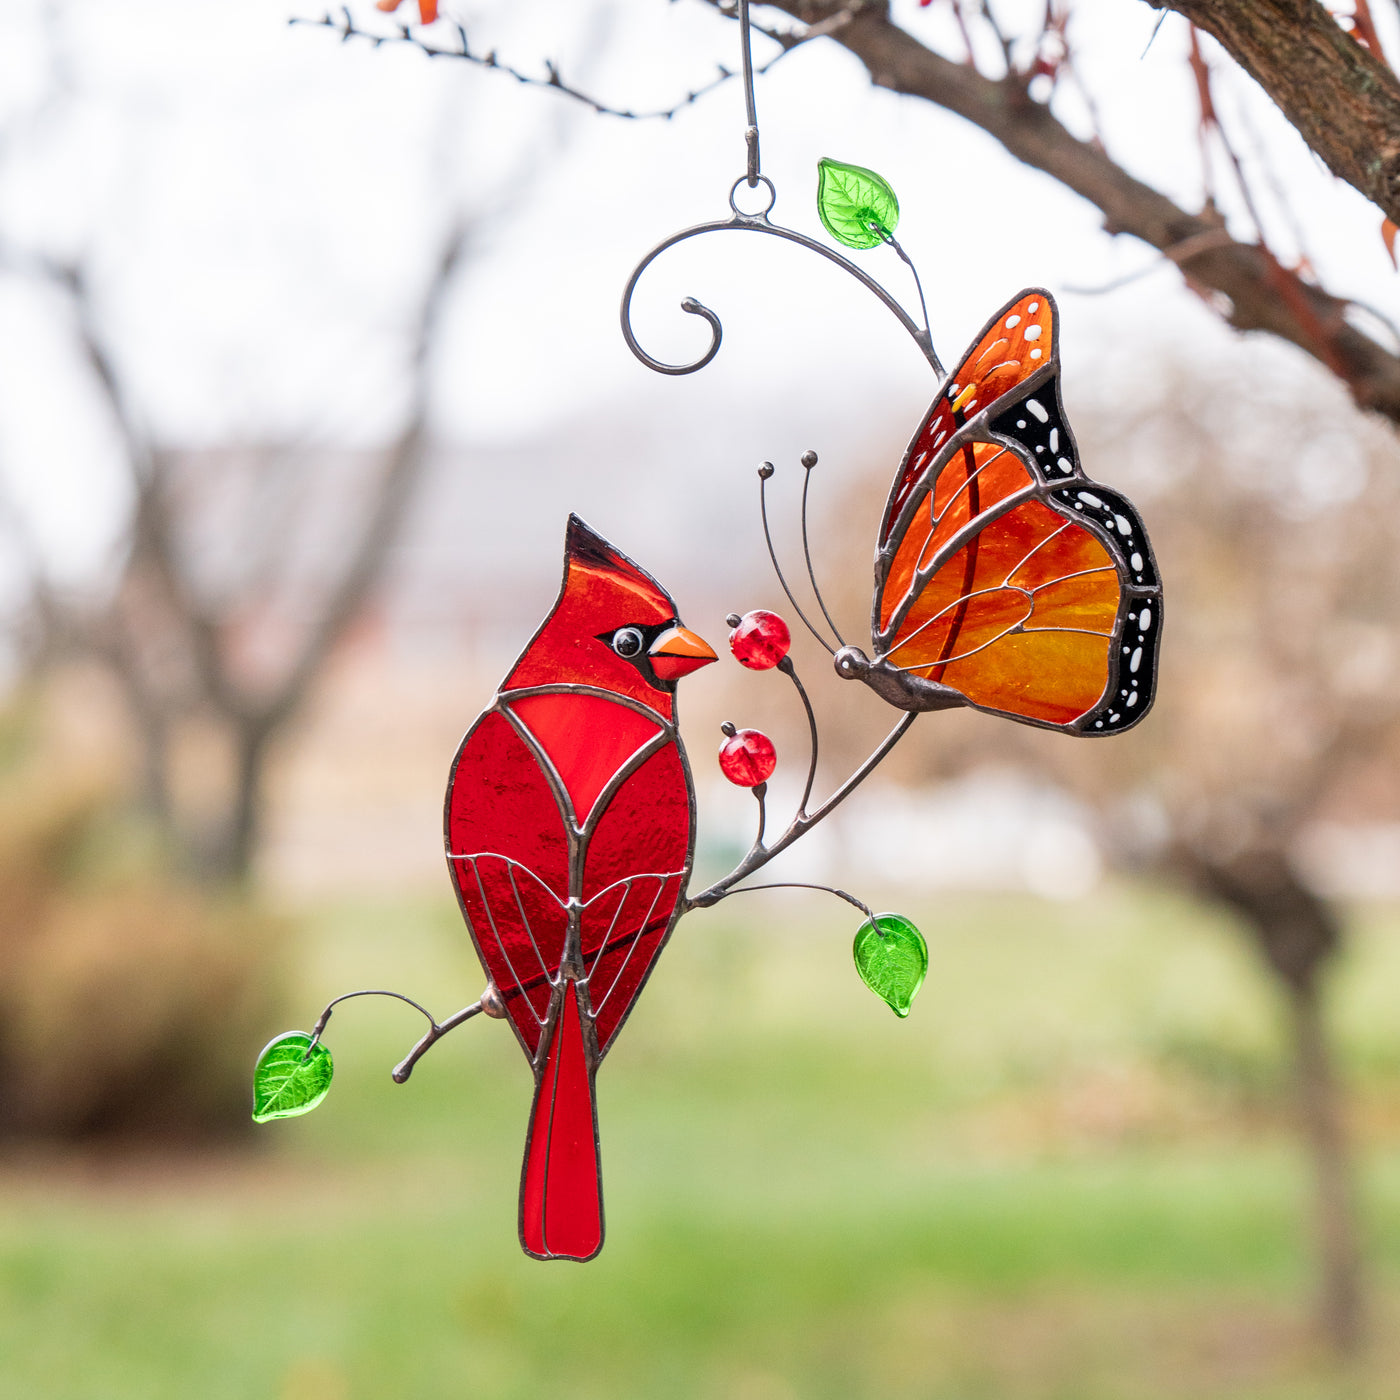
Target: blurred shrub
130,1005
1243,1078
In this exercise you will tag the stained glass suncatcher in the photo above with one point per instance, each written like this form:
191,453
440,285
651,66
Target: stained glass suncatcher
1006,581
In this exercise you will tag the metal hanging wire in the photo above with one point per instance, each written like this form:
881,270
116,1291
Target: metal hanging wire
758,221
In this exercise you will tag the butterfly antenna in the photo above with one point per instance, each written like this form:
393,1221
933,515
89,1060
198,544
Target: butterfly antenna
764,472
809,460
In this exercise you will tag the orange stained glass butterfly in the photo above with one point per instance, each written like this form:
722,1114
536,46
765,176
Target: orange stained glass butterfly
1005,579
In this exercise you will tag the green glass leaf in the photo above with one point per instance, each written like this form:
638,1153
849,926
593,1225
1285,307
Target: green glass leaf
892,959
287,1081
856,205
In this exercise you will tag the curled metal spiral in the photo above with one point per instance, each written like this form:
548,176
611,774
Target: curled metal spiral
759,222
756,222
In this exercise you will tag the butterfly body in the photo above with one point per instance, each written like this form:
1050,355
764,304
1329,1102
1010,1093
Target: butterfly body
569,828
1005,579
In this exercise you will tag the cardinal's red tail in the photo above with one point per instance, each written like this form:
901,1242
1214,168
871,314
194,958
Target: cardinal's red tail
561,1194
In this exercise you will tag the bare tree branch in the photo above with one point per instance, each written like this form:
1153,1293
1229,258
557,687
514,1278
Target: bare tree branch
1343,99
168,646
403,467
1262,294
344,25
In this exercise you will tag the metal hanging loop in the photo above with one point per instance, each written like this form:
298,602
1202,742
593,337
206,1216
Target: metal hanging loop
755,222
753,183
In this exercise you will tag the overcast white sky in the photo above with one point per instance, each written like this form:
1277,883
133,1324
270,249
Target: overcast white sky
259,201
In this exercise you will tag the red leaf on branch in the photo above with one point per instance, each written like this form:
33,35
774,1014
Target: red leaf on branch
1201,72
1363,29
427,9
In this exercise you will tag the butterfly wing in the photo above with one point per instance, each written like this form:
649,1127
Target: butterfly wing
1005,578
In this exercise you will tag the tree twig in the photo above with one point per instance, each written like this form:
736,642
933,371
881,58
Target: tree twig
345,26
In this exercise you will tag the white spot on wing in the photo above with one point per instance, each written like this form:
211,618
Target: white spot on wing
1145,621
1054,439
1089,498
1033,332
1035,354
1012,322
1136,562
1136,661
995,348
1038,409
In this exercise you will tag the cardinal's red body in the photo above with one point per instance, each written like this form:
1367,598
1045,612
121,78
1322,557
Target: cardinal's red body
570,832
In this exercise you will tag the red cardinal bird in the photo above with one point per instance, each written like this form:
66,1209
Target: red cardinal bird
570,833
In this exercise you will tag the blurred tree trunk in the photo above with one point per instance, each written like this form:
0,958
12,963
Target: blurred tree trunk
172,643
1320,1103
1298,934
232,857
254,722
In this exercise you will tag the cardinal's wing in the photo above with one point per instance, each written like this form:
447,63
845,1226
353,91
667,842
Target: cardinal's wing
508,849
1002,571
628,795
564,793
638,860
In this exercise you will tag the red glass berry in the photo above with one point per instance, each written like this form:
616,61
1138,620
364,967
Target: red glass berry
759,640
748,758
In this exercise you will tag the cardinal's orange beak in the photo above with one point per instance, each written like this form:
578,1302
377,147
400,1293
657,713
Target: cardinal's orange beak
678,652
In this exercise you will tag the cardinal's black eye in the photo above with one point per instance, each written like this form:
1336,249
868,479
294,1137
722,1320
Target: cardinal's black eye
627,641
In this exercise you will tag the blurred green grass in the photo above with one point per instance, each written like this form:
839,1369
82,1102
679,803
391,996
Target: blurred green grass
1068,1174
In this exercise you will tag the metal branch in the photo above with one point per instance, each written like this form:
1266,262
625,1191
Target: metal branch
324,1018
489,1003
918,285
790,671
804,885
756,223
760,793
404,1068
759,856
